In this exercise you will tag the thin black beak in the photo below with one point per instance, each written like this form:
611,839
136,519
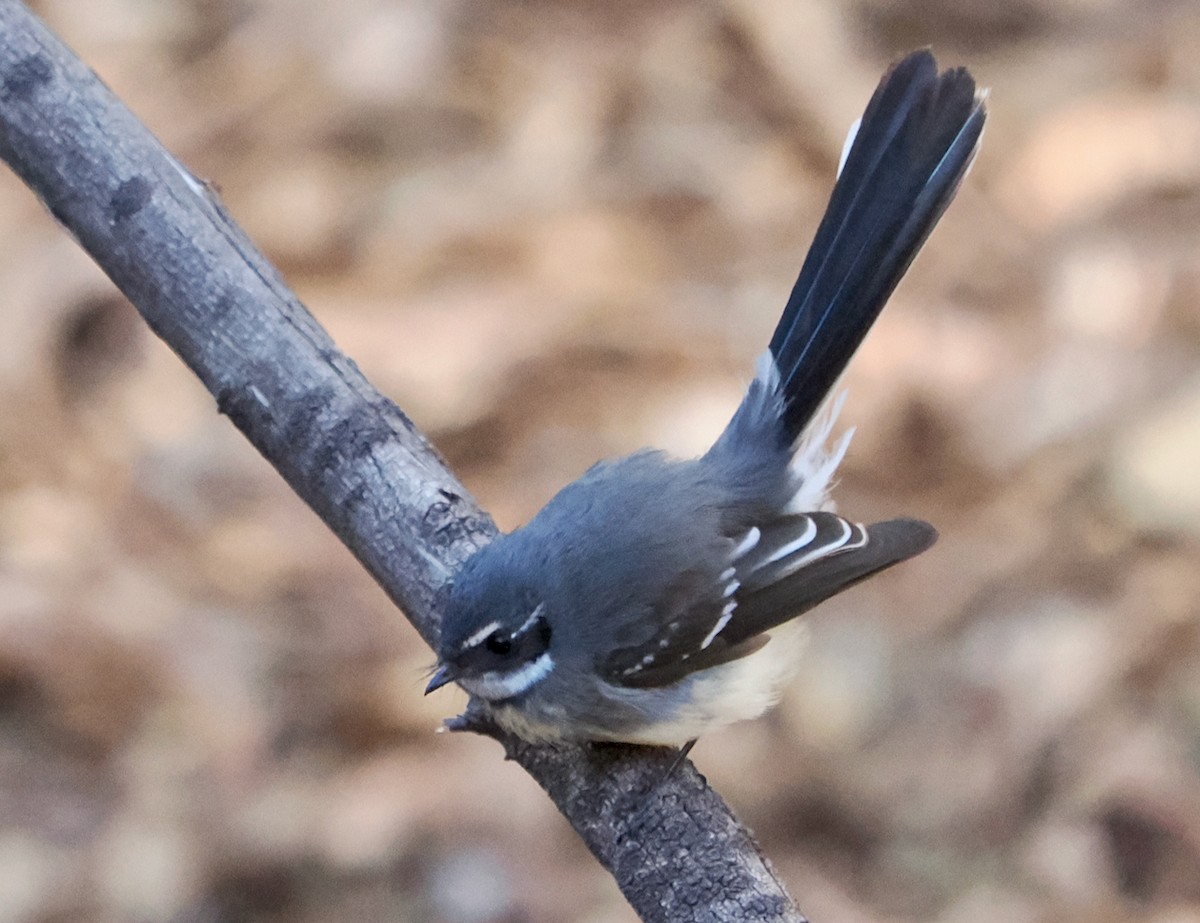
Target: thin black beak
443,675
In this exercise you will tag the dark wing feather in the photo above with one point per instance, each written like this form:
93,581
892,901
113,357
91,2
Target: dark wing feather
775,574
840,555
683,618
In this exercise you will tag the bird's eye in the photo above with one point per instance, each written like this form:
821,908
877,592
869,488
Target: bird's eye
497,643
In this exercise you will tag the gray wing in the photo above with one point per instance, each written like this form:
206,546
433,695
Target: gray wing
775,573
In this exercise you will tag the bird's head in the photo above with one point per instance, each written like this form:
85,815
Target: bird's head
495,639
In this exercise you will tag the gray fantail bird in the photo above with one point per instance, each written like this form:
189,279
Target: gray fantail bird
637,605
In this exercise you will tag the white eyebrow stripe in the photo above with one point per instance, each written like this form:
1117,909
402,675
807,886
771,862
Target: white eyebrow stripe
795,545
496,686
533,617
749,540
478,636
482,634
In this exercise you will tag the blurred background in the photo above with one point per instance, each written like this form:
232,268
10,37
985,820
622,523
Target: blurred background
555,231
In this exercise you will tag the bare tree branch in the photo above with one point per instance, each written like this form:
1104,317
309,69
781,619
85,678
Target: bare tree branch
350,453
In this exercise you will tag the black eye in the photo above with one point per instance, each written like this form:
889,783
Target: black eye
497,643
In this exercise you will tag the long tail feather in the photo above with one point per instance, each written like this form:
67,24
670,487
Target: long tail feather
915,143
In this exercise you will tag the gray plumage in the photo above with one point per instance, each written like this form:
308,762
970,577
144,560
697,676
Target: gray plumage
638,604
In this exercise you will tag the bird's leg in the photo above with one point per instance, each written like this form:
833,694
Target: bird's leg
476,719
679,758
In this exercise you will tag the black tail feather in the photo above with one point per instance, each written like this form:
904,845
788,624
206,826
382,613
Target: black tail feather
915,143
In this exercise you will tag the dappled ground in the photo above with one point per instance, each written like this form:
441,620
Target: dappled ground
557,231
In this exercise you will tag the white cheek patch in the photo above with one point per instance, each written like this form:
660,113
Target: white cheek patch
496,686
